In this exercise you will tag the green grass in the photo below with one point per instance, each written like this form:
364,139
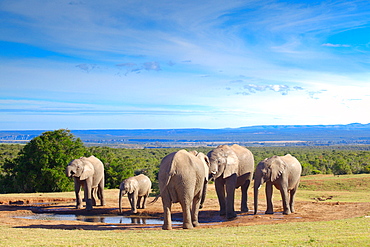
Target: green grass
348,232
354,232
344,188
353,183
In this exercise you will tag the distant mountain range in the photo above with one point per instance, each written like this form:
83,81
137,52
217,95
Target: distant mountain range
277,135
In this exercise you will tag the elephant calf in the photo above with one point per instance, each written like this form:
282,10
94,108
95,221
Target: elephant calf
284,173
137,188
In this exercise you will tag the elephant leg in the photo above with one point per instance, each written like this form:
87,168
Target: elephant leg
101,192
195,209
132,198
77,192
230,196
204,193
139,202
244,202
186,214
94,194
220,190
292,198
285,198
166,202
270,207
144,201
88,192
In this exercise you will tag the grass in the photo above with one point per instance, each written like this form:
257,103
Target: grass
354,232
344,188
353,183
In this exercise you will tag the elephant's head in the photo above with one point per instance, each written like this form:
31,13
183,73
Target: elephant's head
223,161
128,186
269,169
80,168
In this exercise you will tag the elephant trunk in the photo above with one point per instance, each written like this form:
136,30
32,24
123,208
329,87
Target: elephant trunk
257,185
69,171
120,200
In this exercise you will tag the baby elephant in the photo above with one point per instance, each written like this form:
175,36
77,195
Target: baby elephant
136,187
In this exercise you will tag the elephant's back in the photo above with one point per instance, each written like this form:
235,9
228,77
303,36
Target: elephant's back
295,170
98,170
179,172
246,159
145,185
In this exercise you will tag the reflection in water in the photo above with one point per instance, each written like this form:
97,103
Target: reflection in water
138,221
110,219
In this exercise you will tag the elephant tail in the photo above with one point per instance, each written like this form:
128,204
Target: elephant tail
155,199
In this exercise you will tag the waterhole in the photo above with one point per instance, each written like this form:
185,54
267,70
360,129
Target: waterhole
110,219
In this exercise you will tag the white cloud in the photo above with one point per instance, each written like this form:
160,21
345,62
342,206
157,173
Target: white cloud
335,45
189,54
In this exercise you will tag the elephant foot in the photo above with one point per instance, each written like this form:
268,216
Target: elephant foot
286,212
269,212
167,227
195,223
79,207
187,226
231,216
245,209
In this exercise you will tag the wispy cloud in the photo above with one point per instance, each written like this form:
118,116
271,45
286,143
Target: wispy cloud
186,52
87,67
335,45
283,89
137,68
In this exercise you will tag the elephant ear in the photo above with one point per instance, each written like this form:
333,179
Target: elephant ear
232,165
277,168
131,186
205,161
88,170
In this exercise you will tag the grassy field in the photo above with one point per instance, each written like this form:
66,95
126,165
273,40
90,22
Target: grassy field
352,232
348,232
343,188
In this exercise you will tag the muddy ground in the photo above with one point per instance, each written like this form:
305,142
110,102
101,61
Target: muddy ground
306,211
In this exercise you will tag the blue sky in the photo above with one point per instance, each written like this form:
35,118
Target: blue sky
89,64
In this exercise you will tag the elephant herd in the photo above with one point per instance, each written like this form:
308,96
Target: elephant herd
183,177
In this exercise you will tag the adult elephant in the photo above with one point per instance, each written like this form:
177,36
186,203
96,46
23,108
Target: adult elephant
89,173
232,167
284,173
136,188
181,178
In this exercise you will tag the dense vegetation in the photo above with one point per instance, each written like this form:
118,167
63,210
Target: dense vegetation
39,165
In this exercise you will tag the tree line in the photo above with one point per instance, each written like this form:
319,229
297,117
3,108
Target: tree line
39,165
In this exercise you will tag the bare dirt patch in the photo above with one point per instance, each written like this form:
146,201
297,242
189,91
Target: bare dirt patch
306,211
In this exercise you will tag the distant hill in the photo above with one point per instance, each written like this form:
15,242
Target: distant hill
253,135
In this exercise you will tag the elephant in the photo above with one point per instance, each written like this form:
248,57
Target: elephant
232,167
89,173
284,173
136,187
181,178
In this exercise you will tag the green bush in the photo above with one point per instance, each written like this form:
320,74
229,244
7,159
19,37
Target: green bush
41,164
